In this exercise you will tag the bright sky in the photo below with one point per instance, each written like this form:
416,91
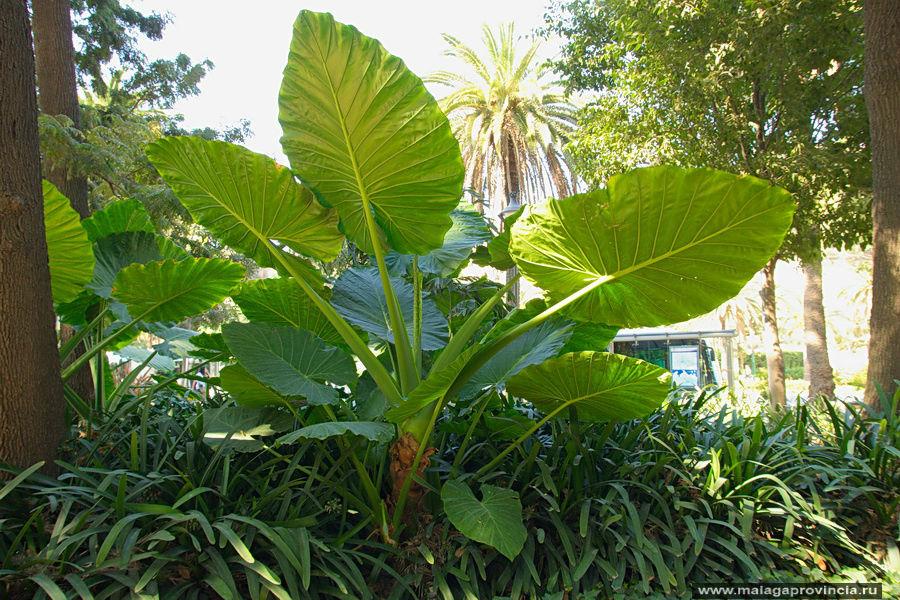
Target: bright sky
248,42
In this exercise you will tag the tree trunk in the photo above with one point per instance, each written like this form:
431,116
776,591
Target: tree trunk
882,89
31,393
774,358
54,58
818,365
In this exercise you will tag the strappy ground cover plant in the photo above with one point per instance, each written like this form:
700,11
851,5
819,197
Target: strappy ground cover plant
373,162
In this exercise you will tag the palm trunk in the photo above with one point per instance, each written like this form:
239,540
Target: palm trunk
774,358
818,365
882,89
31,393
513,189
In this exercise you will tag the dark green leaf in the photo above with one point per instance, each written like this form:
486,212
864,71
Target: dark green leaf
359,297
495,520
291,361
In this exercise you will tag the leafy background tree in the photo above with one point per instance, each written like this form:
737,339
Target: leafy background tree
766,88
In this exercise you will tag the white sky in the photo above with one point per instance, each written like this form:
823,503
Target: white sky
248,42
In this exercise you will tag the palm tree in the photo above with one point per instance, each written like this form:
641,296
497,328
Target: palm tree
512,121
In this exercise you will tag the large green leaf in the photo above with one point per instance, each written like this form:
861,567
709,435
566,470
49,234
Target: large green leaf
282,302
664,244
172,290
71,257
360,128
532,347
247,390
246,199
375,431
359,297
291,361
242,426
118,217
116,251
495,520
601,385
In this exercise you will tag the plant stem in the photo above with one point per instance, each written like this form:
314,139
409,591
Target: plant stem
461,338
381,376
490,349
486,468
408,378
417,316
407,483
485,398
82,333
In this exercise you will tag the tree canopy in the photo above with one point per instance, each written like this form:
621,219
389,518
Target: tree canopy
771,88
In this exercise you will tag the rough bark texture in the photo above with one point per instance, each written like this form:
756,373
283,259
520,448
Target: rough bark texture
54,56
882,89
403,454
774,358
31,398
817,364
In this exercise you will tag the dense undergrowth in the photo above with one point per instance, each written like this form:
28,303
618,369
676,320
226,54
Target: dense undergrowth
145,508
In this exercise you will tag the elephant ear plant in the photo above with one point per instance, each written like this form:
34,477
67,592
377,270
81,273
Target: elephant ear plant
373,161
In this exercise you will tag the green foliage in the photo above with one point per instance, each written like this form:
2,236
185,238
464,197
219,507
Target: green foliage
668,228
291,361
368,138
172,290
202,175
600,385
494,520
793,363
71,258
380,152
728,85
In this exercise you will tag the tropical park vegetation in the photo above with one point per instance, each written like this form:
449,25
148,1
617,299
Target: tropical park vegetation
375,421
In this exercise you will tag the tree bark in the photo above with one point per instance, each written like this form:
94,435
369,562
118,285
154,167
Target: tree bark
54,57
882,90
774,358
817,364
31,393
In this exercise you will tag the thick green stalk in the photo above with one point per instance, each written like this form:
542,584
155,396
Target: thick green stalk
369,360
486,468
82,333
464,335
408,377
417,316
500,342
